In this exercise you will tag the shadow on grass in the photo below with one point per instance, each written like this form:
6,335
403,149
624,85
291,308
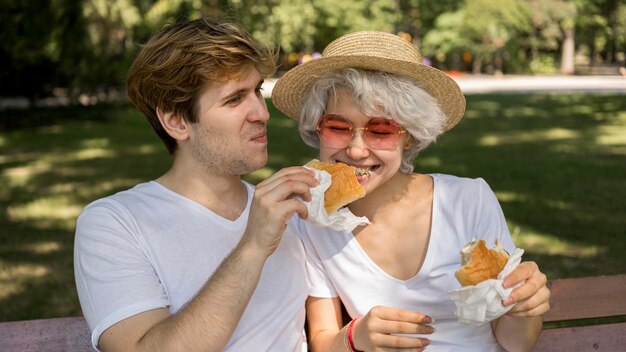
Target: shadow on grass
50,169
556,162
558,166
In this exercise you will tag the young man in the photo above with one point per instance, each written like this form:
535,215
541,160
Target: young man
198,260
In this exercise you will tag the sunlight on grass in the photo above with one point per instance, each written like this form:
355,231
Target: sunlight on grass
21,176
504,197
615,133
523,111
12,277
552,134
44,247
548,244
109,186
146,149
93,153
95,143
42,213
60,208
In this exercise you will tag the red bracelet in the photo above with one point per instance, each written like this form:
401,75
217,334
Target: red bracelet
350,341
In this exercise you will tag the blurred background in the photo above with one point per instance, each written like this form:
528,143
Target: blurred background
556,159
79,50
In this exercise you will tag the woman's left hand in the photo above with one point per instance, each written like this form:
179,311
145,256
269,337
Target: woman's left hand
532,297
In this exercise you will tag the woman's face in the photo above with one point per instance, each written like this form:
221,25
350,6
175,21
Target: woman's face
374,166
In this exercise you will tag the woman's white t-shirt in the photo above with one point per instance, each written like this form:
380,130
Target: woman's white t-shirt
463,209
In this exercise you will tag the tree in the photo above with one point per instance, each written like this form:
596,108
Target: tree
601,29
28,55
552,29
483,27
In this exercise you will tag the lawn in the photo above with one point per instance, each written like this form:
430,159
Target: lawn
557,163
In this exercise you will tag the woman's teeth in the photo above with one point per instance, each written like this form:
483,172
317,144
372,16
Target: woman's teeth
362,172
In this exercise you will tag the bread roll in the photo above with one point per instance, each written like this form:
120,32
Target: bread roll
480,263
344,187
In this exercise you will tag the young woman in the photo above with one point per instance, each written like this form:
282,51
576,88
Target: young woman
370,103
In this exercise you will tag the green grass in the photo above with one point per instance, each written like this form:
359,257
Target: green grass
556,162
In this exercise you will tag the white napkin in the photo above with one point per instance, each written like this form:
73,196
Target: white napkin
341,220
479,304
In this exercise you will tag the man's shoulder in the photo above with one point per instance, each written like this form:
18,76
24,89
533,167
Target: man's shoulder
124,198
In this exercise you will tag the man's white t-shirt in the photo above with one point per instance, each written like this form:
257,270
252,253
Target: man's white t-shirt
149,247
463,209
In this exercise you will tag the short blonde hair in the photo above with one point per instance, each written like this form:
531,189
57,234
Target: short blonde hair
176,64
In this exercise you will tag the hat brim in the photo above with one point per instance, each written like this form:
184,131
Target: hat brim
288,92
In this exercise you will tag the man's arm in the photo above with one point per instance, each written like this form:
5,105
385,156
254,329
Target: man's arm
207,322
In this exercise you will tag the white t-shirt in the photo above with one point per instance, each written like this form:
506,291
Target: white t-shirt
149,247
462,209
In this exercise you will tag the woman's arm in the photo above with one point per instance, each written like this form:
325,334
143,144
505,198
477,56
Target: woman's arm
519,329
325,325
372,332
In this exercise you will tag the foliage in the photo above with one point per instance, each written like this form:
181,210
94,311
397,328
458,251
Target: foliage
27,51
504,29
86,46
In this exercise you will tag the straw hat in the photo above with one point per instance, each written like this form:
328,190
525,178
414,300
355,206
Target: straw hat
369,50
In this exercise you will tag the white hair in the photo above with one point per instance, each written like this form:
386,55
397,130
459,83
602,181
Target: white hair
377,93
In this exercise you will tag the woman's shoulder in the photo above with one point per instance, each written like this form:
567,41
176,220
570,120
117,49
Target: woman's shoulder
451,181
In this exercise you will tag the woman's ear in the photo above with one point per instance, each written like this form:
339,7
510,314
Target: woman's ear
173,124
408,143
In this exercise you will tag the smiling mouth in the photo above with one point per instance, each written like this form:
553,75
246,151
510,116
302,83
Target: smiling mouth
363,171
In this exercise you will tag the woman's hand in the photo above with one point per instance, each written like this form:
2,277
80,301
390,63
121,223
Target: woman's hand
532,297
376,330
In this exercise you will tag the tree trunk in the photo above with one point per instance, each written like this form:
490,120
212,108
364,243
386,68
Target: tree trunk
478,62
567,52
612,40
499,63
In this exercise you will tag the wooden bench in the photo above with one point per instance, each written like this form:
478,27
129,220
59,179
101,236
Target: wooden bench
585,298
46,335
570,300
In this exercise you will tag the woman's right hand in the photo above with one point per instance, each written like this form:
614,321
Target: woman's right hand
378,329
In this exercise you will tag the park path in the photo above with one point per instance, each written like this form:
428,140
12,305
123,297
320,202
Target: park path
469,84
509,84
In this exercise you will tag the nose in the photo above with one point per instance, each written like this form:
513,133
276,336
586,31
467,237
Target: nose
258,111
357,149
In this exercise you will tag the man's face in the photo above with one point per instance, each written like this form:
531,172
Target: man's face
230,135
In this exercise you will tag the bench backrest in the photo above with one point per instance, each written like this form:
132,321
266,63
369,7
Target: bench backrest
49,335
583,298
571,299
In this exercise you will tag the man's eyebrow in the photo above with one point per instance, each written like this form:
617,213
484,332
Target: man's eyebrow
242,90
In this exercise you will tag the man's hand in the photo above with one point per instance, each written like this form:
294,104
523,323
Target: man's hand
275,200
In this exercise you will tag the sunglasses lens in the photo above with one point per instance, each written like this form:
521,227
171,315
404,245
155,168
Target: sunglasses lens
382,133
336,132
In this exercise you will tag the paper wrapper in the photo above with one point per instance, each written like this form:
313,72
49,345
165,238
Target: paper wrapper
341,220
482,303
